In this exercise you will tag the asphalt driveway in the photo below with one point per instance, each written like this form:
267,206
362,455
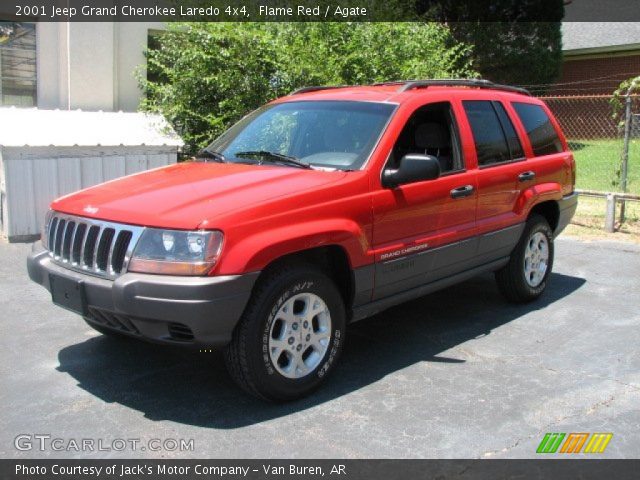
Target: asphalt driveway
459,373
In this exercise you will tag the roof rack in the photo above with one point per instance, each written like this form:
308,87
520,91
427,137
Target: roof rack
460,82
317,88
406,85
390,82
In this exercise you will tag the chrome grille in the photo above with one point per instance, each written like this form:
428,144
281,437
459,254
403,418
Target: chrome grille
91,246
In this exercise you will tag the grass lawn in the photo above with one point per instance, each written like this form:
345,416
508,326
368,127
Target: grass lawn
598,160
588,223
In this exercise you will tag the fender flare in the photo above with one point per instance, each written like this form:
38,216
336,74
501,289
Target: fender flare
255,252
535,195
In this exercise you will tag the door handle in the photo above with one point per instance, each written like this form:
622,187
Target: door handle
460,192
526,176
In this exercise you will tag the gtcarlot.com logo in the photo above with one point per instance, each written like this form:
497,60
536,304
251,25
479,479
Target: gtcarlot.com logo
573,443
46,442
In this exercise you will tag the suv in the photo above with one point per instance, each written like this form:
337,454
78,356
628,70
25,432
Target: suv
319,209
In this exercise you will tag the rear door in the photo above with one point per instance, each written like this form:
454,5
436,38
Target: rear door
500,160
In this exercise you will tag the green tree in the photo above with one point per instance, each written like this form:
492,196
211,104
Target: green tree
203,77
516,53
514,42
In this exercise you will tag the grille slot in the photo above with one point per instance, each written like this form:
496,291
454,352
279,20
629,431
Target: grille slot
110,319
120,250
91,246
181,332
66,240
78,241
57,243
52,232
104,246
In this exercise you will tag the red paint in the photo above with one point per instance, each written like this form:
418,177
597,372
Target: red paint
269,211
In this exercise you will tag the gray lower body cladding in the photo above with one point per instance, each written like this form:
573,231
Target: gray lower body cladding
567,208
201,311
398,276
412,276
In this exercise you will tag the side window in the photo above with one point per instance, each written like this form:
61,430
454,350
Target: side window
543,137
489,133
431,130
18,64
515,148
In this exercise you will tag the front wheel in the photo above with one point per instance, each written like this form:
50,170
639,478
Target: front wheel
290,335
525,277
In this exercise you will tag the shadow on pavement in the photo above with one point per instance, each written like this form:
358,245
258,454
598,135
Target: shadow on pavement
185,386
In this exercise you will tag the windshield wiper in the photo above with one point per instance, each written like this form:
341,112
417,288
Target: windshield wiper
274,157
206,155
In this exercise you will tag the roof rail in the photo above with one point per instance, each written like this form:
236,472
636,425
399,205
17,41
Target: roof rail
460,82
390,82
317,88
406,85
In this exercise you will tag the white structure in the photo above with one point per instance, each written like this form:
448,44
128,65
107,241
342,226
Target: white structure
45,154
70,65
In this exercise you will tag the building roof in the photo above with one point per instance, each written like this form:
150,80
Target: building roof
62,128
599,37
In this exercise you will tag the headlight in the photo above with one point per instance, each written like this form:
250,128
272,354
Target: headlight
176,252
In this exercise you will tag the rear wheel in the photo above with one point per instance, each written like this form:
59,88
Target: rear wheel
290,335
525,277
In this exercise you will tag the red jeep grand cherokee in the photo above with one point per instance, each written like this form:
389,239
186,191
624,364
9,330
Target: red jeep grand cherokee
316,210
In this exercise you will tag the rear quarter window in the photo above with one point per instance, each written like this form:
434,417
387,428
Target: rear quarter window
543,137
495,138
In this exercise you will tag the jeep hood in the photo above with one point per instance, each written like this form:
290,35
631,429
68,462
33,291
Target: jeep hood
189,195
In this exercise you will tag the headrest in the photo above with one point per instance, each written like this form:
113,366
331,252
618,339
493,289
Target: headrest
431,135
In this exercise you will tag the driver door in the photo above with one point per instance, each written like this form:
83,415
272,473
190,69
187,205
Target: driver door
425,231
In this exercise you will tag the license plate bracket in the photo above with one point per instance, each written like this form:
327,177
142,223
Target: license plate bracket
68,293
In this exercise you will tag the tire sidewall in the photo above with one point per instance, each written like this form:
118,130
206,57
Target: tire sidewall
539,225
258,340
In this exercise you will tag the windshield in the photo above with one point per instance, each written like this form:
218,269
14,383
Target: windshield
329,134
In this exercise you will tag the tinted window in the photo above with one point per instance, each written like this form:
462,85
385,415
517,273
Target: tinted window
542,135
513,141
491,144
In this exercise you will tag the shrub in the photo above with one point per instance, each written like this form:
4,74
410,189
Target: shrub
203,77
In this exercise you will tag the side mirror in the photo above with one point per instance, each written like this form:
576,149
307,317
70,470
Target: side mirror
413,167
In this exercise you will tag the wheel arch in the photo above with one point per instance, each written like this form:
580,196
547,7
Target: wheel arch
333,259
541,199
548,209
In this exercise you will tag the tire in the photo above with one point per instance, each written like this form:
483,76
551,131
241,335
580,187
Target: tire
519,281
272,358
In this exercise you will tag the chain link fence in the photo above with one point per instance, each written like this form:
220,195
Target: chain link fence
597,141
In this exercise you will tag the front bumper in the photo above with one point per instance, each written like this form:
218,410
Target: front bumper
200,311
567,208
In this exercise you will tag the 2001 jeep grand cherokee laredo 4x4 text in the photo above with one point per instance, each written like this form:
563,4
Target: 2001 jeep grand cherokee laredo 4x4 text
316,210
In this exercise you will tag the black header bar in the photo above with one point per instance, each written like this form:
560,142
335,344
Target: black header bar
113,469
320,10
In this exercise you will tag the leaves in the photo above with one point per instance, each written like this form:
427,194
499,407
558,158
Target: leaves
203,77
629,86
514,53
